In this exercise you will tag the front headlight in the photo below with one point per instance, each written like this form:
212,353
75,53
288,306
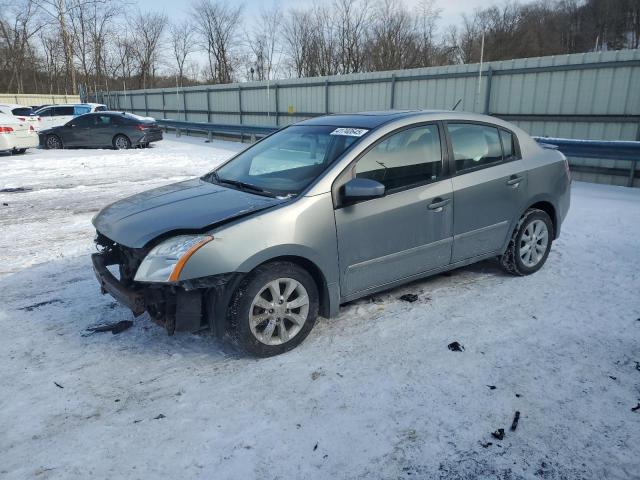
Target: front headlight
167,259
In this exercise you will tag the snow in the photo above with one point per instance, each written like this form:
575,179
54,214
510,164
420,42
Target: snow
373,393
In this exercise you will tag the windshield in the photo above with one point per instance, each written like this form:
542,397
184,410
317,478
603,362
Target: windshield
288,161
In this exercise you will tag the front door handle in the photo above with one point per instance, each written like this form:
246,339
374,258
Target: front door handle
514,181
438,204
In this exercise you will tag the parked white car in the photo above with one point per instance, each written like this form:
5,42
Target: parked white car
22,112
56,115
16,135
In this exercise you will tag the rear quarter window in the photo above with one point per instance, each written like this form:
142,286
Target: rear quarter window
26,112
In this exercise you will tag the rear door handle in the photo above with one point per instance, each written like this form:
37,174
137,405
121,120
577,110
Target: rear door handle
514,181
438,204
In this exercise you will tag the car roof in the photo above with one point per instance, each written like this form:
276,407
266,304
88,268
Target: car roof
361,119
373,120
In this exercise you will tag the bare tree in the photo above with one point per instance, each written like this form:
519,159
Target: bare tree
263,43
181,38
145,40
16,31
217,24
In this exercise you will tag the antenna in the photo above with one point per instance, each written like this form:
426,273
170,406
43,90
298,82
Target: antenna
457,103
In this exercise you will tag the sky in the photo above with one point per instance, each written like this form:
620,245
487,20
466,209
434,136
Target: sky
451,10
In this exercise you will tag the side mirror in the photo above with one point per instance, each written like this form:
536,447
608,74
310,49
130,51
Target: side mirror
358,189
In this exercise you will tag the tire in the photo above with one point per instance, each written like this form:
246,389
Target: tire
244,314
53,142
530,244
20,151
121,142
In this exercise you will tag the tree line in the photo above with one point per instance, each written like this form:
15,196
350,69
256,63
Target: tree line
71,46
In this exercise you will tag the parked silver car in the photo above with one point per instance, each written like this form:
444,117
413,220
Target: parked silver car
326,211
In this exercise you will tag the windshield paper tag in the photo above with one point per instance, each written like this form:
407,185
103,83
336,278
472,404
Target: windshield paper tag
349,132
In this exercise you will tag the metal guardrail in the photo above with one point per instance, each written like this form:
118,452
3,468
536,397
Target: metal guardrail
253,131
598,149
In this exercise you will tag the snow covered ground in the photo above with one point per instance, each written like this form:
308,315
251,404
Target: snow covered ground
374,393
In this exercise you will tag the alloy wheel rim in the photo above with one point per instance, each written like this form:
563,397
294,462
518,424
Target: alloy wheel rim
52,142
121,143
279,311
533,243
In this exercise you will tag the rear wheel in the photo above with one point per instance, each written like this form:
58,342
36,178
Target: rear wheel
530,244
121,142
20,151
53,142
274,309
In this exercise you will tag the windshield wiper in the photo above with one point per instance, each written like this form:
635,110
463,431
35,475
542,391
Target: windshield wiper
243,185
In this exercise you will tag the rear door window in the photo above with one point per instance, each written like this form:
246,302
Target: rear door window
81,109
104,120
47,112
474,146
100,108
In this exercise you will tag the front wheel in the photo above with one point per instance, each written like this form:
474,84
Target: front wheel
121,142
274,309
530,244
53,142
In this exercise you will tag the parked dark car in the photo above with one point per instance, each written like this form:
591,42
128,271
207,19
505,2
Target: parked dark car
118,130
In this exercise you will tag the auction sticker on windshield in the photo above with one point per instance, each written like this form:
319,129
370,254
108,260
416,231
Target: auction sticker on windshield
350,132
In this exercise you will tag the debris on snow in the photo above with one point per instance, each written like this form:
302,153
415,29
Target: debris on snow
498,434
159,416
315,447
114,328
316,374
486,445
409,297
518,395
30,308
491,387
636,408
516,418
58,385
612,377
455,347
16,190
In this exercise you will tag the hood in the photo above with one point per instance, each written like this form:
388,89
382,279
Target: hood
190,205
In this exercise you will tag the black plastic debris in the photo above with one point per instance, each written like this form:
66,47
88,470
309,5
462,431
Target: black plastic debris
16,190
491,387
159,417
518,395
636,408
486,445
612,377
498,434
315,447
514,424
409,297
114,328
5,204
638,366
58,385
32,307
455,347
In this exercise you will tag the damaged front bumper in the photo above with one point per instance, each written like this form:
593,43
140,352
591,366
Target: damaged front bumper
110,284
189,306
